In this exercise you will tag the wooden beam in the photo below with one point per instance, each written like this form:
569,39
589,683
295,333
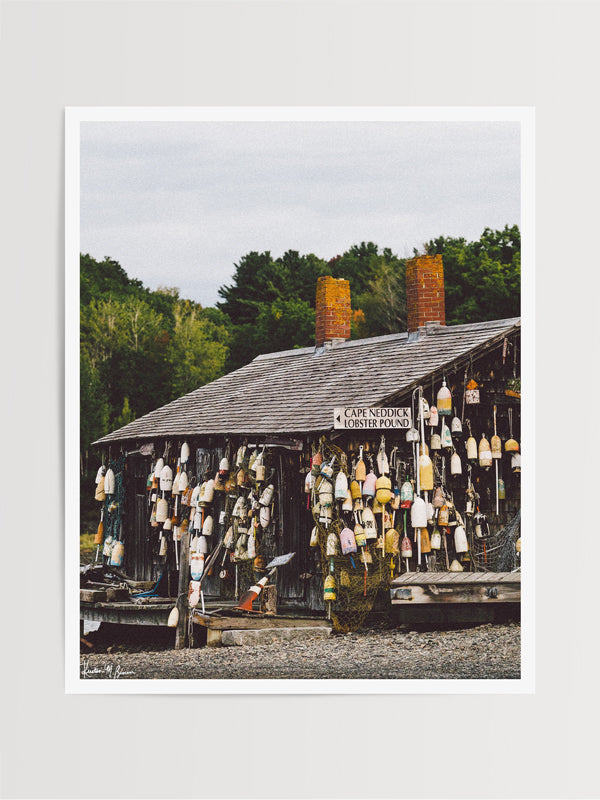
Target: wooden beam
254,623
182,601
459,594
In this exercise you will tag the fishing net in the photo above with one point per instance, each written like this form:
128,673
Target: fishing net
498,552
356,584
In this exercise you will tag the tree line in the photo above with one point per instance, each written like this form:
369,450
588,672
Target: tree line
141,349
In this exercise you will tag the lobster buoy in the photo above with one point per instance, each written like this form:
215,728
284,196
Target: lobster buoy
515,462
433,417
436,540
314,537
341,486
405,547
456,426
360,471
347,504
185,453
501,490
183,481
325,493
511,446
355,490
412,435
166,479
446,436
444,400
392,542
485,453
368,521
359,535
240,455
327,469
162,510
425,411
383,489
202,545
173,620
456,566
407,494
444,516
472,450
100,532
162,551
224,467
329,593
116,554
436,442
347,541
425,473
331,545
208,526
109,482
455,464
438,498
309,482
267,495
368,489
425,542
264,516
418,513
158,468
196,565
461,545
209,491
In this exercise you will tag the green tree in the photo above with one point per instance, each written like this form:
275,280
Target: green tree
482,278
125,417
197,349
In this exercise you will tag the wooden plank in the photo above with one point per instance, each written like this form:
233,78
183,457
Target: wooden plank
459,594
91,595
254,623
182,591
133,615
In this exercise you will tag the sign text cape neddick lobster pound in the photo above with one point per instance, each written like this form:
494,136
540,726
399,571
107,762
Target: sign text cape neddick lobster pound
372,418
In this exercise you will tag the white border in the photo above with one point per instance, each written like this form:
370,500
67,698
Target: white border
74,684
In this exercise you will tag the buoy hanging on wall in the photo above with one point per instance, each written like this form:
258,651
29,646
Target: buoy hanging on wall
444,400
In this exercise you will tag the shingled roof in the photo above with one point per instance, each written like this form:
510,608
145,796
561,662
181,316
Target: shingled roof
295,391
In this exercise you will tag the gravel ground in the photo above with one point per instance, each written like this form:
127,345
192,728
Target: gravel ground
486,651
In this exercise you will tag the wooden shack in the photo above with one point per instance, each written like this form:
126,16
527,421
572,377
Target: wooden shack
345,401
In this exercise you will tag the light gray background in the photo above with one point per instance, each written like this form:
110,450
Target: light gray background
299,53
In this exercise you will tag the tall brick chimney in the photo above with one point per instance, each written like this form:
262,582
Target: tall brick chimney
425,292
332,309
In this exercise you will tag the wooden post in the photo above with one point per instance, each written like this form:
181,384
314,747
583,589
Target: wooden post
268,599
182,592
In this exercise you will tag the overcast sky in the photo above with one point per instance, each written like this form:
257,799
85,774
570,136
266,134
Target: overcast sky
179,203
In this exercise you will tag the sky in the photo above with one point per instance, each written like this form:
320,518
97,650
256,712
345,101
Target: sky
178,204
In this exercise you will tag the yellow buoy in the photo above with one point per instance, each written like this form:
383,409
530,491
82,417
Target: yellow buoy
425,473
329,594
444,400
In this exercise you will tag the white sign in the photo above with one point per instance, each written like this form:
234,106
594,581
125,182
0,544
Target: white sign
372,418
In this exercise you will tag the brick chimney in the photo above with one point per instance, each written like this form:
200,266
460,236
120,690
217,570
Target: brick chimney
332,310
425,292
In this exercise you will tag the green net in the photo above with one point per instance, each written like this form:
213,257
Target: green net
356,582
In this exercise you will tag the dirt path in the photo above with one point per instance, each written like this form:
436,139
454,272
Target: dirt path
486,651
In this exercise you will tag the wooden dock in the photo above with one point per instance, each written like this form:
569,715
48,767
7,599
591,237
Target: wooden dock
432,597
